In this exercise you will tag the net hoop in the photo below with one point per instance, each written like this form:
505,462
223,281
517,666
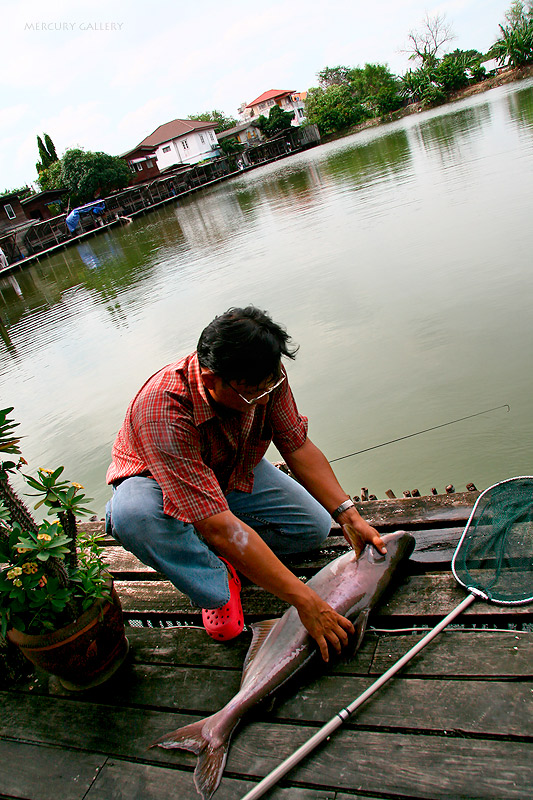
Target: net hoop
475,590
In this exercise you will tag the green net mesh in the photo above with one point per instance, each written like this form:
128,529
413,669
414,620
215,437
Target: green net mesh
494,557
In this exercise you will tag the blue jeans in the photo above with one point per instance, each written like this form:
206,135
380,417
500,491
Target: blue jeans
282,512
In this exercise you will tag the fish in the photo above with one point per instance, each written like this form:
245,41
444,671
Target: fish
282,647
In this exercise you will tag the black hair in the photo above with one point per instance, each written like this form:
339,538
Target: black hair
244,344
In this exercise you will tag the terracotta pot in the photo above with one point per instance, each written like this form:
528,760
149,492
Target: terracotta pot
85,652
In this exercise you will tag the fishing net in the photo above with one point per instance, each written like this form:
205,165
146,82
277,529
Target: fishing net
494,557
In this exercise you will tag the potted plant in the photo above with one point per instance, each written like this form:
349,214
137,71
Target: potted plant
57,600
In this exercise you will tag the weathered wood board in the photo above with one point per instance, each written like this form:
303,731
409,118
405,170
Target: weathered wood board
456,722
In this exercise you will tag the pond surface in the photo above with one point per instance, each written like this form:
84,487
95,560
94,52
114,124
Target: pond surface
400,260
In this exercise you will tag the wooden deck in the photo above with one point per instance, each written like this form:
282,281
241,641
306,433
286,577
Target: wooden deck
456,723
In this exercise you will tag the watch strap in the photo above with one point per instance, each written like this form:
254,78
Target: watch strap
343,506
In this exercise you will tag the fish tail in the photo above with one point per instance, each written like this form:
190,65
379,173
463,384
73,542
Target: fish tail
209,744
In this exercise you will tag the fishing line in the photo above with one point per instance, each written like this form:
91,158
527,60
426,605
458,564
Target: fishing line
417,433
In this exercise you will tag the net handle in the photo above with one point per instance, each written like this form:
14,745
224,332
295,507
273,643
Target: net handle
341,716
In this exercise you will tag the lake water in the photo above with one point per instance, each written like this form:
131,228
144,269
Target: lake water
400,259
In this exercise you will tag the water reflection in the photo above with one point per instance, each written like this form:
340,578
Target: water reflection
385,157
389,256
448,134
520,106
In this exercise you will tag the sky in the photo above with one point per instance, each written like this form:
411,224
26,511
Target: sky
104,74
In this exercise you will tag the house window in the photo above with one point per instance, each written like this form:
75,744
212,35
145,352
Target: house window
300,112
212,135
139,167
185,144
149,163
132,166
202,139
9,211
166,149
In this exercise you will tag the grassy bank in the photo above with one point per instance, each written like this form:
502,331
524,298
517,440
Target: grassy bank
508,76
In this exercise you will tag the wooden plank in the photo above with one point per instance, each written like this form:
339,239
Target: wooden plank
497,708
436,766
124,780
412,511
433,546
457,653
439,767
416,596
396,513
31,772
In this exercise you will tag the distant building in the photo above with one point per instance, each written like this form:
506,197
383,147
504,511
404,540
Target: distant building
287,100
247,134
12,214
182,141
43,205
142,162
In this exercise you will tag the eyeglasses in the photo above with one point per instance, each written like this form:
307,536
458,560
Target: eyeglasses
255,400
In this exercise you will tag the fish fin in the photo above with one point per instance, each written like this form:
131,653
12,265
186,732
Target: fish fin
354,539
360,627
190,737
260,631
209,769
211,757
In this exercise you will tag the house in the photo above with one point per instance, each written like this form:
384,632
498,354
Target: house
182,141
43,205
287,100
11,213
247,134
142,161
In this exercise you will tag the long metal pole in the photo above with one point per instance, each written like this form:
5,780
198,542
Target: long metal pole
273,777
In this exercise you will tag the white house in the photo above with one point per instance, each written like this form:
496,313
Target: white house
286,99
182,141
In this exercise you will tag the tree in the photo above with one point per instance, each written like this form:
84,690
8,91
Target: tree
51,178
515,45
223,122
333,109
89,175
47,153
425,43
517,14
277,122
347,95
334,76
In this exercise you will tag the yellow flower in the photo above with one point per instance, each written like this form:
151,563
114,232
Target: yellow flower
30,567
22,550
13,573
43,582
48,471
77,485
44,537
17,582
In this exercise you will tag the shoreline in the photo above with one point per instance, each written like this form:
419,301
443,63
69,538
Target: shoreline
512,75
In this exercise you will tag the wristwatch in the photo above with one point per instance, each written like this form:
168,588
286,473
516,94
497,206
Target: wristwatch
343,506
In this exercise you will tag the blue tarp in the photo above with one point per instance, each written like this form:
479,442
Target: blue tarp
73,219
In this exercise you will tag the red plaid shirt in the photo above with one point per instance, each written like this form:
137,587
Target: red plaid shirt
195,453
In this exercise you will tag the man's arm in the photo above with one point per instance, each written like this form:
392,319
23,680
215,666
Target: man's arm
248,553
311,467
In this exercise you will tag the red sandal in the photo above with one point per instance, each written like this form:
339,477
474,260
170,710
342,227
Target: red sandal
226,622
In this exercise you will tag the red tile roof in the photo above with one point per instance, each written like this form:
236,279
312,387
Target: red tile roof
175,129
270,95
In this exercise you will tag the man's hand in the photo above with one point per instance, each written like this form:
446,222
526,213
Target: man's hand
358,532
324,624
